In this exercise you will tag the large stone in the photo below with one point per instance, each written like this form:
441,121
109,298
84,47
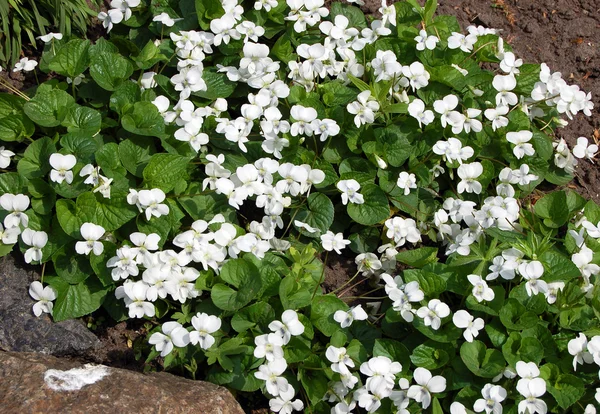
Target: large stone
21,330
38,383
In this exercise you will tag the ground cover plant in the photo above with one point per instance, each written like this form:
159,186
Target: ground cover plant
199,166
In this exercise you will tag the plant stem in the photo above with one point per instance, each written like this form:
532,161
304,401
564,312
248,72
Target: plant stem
322,276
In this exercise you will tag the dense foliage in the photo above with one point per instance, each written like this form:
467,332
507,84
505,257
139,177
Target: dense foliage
200,165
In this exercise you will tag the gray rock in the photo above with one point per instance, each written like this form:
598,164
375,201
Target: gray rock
36,383
21,330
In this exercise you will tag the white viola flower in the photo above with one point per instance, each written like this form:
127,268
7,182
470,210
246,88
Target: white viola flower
521,141
416,74
459,40
385,65
110,18
510,64
271,374
532,271
345,319
191,133
269,346
457,408
425,41
306,227
61,167
444,106
452,150
37,240
407,181
144,244
522,176
416,109
469,174
578,348
502,267
367,263
44,297
15,205
583,261
91,233
5,156
492,395
188,80
165,19
331,241
402,230
267,5
173,334
204,325
427,384
77,80
25,64
325,128
381,372
147,81
527,370
135,294
464,320
125,6
349,189
47,38
303,117
151,201
364,108
283,403
496,115
531,390
288,326
433,313
553,289
339,358
10,235
583,149
124,263
480,291
504,84
92,173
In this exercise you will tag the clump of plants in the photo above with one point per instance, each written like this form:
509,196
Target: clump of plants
201,166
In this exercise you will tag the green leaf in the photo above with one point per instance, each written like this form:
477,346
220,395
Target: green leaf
513,315
164,170
283,50
123,98
110,213
355,16
15,128
518,348
217,85
205,206
82,119
418,257
394,350
72,268
396,148
144,119
81,145
430,8
319,214
558,267
430,283
483,362
242,275
35,162
98,263
322,309
566,389
336,94
48,107
74,301
135,154
374,210
293,294
12,183
260,313
429,356
149,56
72,59
553,208
109,70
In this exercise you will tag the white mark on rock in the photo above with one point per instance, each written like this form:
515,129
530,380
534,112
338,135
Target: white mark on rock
76,378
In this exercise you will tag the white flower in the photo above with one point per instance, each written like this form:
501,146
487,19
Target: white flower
433,312
345,319
480,291
172,334
44,297
288,326
91,234
50,36
124,6
271,373
426,385
151,200
522,176
110,18
124,263
381,372
349,189
305,226
15,205
269,346
493,395
5,157
426,42
444,106
532,271
496,115
135,294
331,241
303,116
10,235
62,165
204,326
165,19
340,359
553,289
416,109
417,75
469,174
583,150
464,320
407,181
37,240
283,404
510,64
578,348
459,40
531,390
504,84
364,108
521,141
25,64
